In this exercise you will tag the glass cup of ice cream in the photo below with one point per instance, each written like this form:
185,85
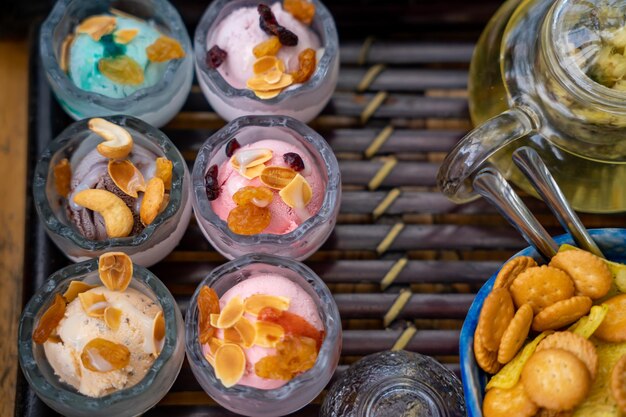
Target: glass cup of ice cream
267,57
266,184
113,183
101,338
263,335
105,57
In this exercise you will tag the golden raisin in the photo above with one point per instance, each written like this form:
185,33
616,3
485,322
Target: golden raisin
294,355
248,219
306,66
122,70
302,10
164,49
259,196
268,47
293,324
208,303
62,177
49,320
101,355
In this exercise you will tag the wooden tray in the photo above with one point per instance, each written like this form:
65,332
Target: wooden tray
403,262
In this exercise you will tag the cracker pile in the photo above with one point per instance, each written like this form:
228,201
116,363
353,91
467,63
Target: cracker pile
561,371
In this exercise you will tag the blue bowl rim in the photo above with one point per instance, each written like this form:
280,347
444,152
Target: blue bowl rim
473,378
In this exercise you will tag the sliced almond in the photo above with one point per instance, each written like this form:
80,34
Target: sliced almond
214,344
93,304
115,270
113,317
124,36
118,219
231,313
277,177
252,173
63,177
268,334
232,336
280,65
158,333
297,195
213,320
257,302
75,288
246,331
249,158
230,364
266,95
117,141
164,171
101,355
264,64
258,83
127,177
97,26
273,76
64,57
152,200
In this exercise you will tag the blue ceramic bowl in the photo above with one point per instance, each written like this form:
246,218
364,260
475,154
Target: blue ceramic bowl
612,242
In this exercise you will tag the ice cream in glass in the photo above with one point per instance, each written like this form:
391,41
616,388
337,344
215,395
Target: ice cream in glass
266,184
261,331
104,57
113,182
102,337
277,57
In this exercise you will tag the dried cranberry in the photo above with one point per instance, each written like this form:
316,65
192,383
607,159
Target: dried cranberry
215,57
294,161
269,25
211,184
287,37
231,147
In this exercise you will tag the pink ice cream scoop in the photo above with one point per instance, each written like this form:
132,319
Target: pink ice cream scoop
301,304
240,32
284,219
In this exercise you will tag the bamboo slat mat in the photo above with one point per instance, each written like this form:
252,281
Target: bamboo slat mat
403,262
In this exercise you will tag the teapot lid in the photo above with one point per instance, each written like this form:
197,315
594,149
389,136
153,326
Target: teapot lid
589,37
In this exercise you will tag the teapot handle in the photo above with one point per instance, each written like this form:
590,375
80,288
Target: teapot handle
469,156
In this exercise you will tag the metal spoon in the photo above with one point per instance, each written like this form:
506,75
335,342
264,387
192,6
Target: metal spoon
491,184
533,167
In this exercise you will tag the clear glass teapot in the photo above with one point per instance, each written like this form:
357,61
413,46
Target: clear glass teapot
550,75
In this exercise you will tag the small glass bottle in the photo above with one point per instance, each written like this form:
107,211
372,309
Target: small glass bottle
398,384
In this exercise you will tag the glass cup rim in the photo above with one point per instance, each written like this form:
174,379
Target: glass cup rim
69,395
53,70
202,205
330,318
150,133
324,65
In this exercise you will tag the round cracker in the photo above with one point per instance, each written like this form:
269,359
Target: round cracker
613,327
562,313
500,402
541,286
556,379
618,383
576,344
590,273
511,270
515,334
487,360
495,316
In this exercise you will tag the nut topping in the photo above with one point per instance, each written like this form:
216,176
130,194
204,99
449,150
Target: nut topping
97,26
124,36
112,317
115,270
249,158
75,288
118,219
63,177
127,177
152,200
93,303
117,141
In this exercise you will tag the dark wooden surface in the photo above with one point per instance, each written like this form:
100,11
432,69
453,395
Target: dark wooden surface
450,250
